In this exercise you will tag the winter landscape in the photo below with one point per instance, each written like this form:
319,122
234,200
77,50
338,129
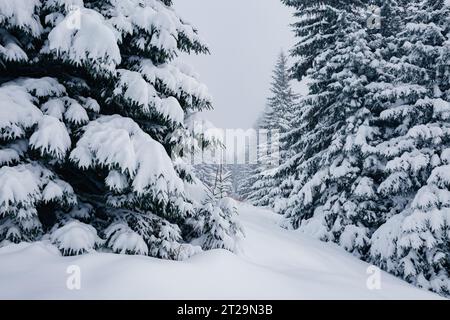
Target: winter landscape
308,157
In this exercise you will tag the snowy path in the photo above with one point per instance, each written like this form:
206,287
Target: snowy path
272,264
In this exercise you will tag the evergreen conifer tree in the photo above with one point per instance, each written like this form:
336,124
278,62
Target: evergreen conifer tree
218,227
92,101
414,242
222,186
260,186
367,166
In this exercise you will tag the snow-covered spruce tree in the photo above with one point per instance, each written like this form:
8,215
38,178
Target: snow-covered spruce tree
91,99
281,103
260,187
217,227
415,242
222,185
373,178
216,178
317,27
333,170
333,181
260,184
220,228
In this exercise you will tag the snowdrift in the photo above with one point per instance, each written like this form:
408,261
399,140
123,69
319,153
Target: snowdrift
272,263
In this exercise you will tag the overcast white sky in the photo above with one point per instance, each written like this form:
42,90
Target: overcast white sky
245,38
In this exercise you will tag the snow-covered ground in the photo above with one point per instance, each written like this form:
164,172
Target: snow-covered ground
272,264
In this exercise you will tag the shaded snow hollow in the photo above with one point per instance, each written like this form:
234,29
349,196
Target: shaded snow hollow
272,263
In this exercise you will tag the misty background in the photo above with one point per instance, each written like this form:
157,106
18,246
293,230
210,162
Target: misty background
245,38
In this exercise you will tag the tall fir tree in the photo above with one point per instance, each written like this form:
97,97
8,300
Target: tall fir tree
93,105
415,241
323,166
260,186
368,148
281,103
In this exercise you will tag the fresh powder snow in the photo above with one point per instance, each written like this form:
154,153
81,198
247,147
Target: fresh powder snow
271,263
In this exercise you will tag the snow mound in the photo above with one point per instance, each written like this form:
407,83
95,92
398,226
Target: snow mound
75,238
